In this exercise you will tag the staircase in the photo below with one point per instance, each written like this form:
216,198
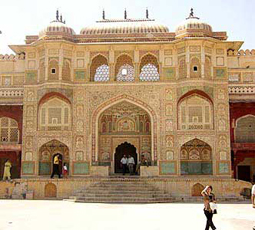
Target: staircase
121,190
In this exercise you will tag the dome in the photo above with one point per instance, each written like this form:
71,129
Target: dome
126,26
193,27
57,28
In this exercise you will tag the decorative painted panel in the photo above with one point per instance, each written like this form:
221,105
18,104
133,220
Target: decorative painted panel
196,168
79,75
28,168
167,167
44,168
80,168
223,167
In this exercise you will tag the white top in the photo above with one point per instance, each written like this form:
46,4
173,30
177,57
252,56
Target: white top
131,160
124,161
253,190
65,167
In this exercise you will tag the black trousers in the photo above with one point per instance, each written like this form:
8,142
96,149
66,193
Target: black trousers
209,222
124,168
55,171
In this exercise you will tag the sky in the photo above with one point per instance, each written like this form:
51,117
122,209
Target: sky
19,18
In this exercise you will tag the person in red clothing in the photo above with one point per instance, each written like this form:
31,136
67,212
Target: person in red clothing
65,171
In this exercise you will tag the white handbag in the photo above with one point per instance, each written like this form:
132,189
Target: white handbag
213,206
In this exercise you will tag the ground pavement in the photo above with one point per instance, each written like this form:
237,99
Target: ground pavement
54,215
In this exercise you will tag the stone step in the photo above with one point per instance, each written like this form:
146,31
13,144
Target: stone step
86,195
122,187
125,200
120,192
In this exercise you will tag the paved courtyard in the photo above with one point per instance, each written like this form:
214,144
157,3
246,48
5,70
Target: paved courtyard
53,215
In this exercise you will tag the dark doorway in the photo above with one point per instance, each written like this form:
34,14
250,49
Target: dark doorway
121,150
60,162
15,159
244,173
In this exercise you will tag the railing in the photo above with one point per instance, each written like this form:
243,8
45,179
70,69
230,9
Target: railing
11,92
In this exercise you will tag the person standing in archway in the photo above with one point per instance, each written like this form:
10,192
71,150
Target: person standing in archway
7,170
124,164
131,163
56,170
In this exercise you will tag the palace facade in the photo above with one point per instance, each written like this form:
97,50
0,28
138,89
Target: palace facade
183,99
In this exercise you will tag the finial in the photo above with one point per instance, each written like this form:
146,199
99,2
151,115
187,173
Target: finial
147,13
61,18
57,16
125,14
191,14
103,14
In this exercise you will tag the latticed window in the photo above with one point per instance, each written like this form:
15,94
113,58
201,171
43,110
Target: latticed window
55,115
195,112
99,69
149,68
102,73
126,73
245,130
9,130
124,68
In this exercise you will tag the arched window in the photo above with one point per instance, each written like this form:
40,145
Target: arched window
9,130
182,68
99,69
42,71
149,68
208,73
195,112
53,72
66,70
196,158
55,114
195,68
124,69
245,130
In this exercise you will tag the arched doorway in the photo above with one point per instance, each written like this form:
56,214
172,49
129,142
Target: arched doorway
123,149
47,152
123,122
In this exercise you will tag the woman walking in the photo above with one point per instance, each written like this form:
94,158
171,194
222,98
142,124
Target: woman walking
209,197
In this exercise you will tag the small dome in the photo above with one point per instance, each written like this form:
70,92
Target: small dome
57,28
193,27
127,26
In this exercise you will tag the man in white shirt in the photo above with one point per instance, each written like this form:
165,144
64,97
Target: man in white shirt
123,161
131,163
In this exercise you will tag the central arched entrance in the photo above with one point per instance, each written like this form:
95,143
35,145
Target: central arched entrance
123,122
123,149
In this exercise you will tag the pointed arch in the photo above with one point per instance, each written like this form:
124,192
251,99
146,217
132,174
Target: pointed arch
196,158
99,68
195,111
149,68
104,106
124,68
245,129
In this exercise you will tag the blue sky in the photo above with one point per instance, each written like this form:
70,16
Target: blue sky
27,17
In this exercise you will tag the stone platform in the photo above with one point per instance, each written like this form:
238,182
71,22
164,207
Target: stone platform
116,189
